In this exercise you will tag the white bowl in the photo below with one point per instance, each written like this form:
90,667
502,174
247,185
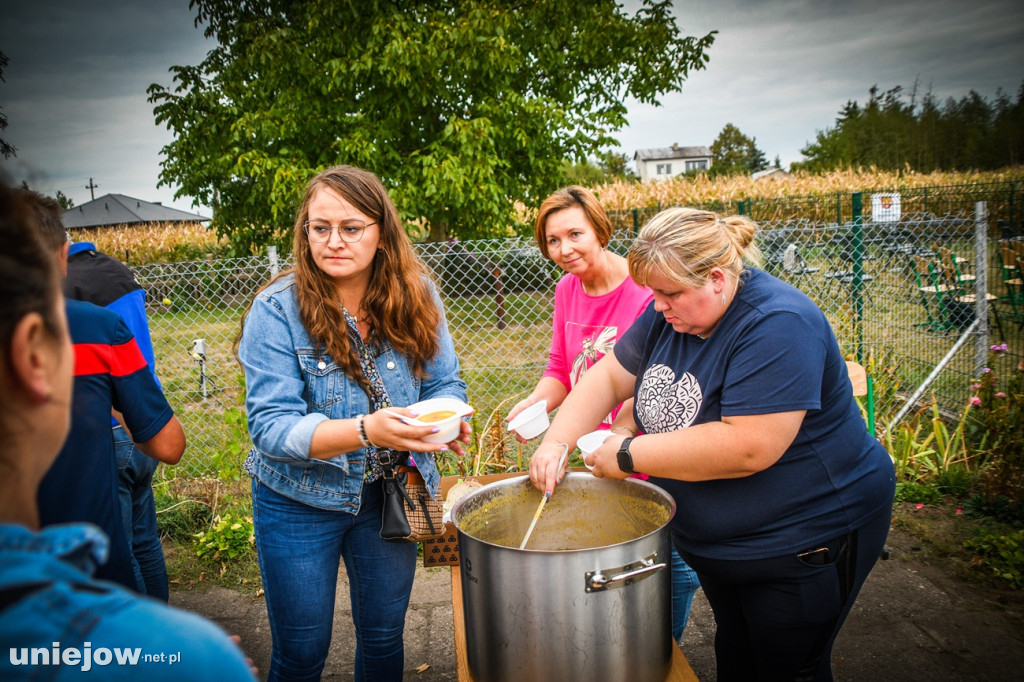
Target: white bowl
589,442
532,421
449,425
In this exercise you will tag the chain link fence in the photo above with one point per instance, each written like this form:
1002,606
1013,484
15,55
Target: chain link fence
498,295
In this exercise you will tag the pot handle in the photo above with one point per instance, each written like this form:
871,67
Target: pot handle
598,581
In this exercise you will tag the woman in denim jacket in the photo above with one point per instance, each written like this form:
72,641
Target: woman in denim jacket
354,327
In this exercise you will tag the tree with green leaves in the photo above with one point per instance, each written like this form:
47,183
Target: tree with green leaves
64,200
460,106
606,167
894,131
734,153
617,166
6,150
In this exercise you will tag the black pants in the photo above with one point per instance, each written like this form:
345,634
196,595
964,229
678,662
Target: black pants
777,618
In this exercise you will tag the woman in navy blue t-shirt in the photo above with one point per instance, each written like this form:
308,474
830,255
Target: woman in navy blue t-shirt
784,500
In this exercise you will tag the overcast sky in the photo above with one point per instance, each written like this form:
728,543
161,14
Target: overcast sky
780,70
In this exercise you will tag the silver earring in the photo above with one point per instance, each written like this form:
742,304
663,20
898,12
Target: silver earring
723,297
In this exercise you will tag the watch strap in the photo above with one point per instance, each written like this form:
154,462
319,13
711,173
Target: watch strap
625,459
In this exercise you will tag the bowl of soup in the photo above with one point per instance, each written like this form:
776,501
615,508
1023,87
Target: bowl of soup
443,413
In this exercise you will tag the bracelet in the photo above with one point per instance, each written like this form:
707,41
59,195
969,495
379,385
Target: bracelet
361,430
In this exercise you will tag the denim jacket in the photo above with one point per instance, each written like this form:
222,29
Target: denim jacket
50,604
291,389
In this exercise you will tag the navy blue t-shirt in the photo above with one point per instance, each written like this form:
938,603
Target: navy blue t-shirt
773,351
81,486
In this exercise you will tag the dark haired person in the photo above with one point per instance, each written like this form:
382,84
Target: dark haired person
111,375
57,621
97,278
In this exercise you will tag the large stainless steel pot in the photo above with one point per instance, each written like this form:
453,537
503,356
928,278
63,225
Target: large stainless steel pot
589,596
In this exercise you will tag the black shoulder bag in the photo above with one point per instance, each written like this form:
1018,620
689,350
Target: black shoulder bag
409,511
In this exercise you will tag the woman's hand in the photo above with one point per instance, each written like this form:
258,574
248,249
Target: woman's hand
465,431
604,461
519,407
545,473
385,428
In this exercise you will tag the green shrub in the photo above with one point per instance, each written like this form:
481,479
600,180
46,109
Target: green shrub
908,449
995,425
229,538
177,517
1002,556
229,458
956,481
998,507
908,491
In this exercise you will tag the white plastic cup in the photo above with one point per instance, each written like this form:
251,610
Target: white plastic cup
448,429
532,421
589,442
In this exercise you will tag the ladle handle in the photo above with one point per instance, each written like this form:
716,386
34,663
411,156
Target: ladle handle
544,498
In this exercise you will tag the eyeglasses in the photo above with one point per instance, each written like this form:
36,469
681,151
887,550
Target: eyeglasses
350,232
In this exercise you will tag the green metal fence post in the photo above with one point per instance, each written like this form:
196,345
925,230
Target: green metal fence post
858,272
636,222
741,207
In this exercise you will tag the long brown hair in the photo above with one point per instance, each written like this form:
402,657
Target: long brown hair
399,303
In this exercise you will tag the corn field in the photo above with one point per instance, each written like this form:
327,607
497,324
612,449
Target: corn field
498,298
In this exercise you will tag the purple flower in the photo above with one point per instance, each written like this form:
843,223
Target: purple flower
1000,394
975,387
976,401
1001,348
985,370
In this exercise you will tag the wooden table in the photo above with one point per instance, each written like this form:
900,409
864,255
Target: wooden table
680,671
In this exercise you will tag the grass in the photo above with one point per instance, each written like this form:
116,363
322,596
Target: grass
187,506
941,530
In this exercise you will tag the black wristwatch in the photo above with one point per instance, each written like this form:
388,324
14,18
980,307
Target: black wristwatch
626,459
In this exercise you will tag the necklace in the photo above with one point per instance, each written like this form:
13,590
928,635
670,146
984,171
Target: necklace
355,318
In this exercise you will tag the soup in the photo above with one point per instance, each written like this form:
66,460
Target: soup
439,415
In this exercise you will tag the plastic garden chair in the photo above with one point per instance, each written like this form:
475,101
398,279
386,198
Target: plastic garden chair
863,386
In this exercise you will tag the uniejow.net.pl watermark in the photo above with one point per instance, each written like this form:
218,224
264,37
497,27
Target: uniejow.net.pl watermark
86,657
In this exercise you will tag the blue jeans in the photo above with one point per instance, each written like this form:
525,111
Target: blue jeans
299,549
684,586
138,515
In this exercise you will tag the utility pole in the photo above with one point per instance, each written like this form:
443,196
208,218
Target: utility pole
91,186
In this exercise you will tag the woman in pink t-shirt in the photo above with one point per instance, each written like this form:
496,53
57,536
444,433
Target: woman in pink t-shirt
595,302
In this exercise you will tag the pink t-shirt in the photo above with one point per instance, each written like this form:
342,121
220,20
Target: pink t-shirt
586,327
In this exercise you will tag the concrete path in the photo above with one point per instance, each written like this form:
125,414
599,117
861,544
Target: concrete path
912,622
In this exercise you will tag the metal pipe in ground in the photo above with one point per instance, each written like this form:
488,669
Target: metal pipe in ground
934,374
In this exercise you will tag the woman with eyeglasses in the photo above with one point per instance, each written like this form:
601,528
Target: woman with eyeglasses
333,350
